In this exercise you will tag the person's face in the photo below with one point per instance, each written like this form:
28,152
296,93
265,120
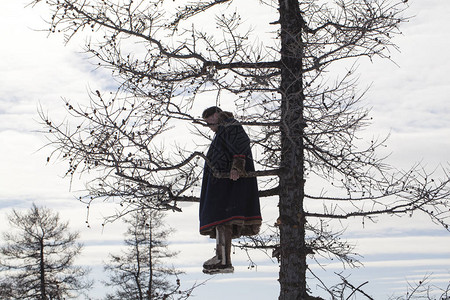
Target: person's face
213,121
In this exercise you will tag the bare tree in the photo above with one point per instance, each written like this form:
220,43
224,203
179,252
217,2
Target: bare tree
141,272
422,289
38,257
303,117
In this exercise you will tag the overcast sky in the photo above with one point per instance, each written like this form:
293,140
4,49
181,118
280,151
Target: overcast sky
410,101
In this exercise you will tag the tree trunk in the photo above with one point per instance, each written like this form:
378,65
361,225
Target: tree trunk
137,277
42,270
292,221
150,260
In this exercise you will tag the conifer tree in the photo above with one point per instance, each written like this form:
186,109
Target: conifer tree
142,271
38,257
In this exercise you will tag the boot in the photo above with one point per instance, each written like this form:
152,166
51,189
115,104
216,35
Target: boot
221,262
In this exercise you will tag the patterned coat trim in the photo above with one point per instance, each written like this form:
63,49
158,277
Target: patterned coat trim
230,219
238,164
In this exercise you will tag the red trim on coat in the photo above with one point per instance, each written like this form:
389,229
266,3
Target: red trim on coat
230,219
239,155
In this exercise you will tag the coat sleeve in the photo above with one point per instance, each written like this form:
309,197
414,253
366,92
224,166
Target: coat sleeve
237,143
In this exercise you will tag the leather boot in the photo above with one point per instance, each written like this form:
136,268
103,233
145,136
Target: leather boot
221,262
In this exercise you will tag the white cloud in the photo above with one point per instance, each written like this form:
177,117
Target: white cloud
406,244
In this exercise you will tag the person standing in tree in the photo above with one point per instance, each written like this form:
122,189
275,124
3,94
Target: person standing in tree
229,207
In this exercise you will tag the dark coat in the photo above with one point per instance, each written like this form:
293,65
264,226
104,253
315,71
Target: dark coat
222,200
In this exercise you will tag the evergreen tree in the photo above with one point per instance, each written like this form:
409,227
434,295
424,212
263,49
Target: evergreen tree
37,257
140,272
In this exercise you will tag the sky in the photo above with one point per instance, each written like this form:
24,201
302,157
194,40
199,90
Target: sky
410,101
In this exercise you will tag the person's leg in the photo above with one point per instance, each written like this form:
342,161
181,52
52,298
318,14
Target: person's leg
226,233
221,246
218,257
221,262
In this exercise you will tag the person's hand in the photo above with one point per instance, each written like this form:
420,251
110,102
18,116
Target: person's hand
234,174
